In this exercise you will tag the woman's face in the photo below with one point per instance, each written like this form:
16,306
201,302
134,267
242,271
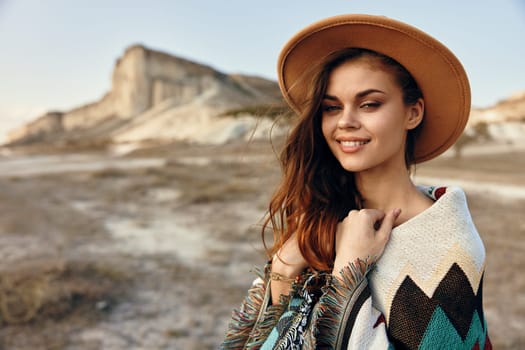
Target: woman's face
364,118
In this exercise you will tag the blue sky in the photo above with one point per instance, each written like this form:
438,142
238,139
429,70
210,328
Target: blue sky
58,54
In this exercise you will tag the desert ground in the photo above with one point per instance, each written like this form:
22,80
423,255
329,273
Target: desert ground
153,248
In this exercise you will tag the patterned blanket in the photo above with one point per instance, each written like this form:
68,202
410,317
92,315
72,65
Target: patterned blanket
424,293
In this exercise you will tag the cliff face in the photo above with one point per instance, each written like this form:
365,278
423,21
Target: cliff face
151,91
505,121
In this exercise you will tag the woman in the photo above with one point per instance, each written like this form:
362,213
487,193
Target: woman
363,258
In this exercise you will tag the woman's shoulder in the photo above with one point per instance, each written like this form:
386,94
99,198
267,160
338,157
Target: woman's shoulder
449,212
443,232
440,244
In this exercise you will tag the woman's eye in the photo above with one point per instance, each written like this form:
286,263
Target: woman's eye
330,108
370,105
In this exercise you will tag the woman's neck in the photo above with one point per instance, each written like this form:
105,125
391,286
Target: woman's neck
388,190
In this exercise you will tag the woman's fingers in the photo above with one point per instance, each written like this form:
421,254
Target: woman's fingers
363,234
375,218
372,215
384,231
388,223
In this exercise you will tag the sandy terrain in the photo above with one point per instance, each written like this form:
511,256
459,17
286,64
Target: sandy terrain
153,250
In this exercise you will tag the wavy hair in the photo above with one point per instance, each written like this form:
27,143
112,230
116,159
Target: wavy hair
315,192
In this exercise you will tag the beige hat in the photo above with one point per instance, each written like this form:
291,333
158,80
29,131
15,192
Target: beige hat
438,73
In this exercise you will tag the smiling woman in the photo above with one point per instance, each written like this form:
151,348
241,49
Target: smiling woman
366,110
362,257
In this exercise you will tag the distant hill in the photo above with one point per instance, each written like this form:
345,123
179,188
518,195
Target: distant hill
503,122
158,96
511,109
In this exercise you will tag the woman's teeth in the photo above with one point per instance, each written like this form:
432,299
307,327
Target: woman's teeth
353,143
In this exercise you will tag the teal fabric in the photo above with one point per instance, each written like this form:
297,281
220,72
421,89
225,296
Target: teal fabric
283,322
440,332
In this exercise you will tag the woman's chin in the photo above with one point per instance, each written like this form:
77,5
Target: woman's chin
353,167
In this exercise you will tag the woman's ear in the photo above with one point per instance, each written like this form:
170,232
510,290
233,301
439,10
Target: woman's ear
415,114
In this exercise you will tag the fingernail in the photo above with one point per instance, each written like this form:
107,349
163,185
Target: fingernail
397,212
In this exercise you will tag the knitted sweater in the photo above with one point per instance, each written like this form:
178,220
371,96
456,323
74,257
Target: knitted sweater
425,292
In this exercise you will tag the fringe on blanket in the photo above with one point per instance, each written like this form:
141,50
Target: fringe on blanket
254,320
329,313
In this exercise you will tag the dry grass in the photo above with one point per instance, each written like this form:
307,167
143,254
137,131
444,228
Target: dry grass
214,182
109,173
281,111
53,288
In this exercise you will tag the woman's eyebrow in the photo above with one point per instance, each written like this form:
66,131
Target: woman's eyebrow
358,95
368,92
330,97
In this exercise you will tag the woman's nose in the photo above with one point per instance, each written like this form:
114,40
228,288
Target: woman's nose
348,120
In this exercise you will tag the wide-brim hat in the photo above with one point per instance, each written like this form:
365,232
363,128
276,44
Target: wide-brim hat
437,71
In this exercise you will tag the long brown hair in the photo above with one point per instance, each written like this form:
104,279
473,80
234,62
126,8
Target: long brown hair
316,192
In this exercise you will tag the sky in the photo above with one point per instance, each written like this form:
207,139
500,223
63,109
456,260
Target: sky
59,54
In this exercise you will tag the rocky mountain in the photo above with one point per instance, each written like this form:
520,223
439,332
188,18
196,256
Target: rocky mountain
159,96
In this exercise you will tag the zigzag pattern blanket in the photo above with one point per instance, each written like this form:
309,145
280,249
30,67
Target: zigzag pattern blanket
424,293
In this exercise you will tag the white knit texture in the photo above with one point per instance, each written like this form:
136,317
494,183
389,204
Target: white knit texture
364,335
426,246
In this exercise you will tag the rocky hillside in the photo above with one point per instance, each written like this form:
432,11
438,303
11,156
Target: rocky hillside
511,109
505,121
158,96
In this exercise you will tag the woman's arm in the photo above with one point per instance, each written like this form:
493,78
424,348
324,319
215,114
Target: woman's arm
286,267
344,317
266,300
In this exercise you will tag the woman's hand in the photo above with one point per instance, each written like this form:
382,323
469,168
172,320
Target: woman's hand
362,234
